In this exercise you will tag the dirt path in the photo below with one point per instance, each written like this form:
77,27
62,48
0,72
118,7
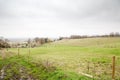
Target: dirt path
8,73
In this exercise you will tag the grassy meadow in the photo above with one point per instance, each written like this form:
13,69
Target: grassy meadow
91,56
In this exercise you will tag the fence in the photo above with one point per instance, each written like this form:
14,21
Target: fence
104,70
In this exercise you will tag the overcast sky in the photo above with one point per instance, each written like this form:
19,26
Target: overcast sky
54,18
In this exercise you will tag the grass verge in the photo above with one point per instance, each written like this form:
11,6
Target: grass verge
20,68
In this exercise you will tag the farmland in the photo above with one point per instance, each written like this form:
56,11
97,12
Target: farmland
91,56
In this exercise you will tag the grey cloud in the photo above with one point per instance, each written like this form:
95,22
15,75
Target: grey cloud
74,14
71,9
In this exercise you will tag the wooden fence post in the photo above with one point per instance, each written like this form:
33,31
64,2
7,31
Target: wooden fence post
88,67
18,51
29,52
94,71
113,68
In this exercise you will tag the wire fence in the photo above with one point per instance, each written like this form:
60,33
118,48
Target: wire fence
109,70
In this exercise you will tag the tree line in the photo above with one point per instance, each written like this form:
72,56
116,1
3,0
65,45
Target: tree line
112,34
4,43
36,42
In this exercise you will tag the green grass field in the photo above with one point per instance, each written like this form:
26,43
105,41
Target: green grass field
91,55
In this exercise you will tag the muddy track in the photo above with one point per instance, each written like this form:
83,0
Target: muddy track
11,72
